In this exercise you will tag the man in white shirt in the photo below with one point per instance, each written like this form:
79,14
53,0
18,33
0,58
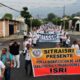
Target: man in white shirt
35,38
30,41
25,35
28,60
24,45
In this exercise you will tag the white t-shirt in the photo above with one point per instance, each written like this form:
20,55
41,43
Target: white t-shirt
67,33
25,33
62,33
27,57
25,43
35,37
63,37
30,34
75,46
30,41
68,41
1,66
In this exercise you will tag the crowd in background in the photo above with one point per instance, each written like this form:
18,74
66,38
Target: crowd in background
10,57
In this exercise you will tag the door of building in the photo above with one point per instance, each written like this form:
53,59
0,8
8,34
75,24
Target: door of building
77,27
11,29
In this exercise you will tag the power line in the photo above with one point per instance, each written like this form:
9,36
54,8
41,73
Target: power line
9,7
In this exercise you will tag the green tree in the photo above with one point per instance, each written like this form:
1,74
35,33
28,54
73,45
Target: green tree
57,21
26,14
36,22
8,16
76,14
51,16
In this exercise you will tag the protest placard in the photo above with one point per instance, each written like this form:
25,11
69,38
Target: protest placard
55,61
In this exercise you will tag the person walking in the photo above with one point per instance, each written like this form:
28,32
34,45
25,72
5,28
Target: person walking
25,34
7,59
14,50
2,70
68,41
35,38
75,45
28,60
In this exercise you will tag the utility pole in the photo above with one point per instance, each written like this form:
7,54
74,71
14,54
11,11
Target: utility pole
64,16
64,11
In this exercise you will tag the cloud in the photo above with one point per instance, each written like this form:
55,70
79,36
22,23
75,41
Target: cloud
50,3
38,3
37,6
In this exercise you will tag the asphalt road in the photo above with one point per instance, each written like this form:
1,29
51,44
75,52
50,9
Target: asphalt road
19,74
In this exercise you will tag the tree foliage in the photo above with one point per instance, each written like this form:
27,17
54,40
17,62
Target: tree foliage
26,14
8,16
76,14
57,21
36,22
51,16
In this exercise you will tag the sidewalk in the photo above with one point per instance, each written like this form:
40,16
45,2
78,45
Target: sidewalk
11,37
74,33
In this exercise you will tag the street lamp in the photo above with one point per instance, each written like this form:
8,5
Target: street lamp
64,18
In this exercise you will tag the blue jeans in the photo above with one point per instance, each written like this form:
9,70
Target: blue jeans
7,73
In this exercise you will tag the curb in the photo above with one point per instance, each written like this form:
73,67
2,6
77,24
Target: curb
10,38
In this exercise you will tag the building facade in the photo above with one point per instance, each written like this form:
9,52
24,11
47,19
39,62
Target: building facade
9,27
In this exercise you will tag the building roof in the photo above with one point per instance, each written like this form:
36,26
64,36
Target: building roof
78,22
9,20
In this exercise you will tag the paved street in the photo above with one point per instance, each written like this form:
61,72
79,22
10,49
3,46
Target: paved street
19,74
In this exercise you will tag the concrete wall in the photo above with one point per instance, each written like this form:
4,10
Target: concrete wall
7,28
15,25
1,29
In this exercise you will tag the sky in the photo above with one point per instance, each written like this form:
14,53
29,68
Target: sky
40,8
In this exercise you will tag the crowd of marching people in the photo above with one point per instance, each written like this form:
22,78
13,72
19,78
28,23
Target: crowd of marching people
10,58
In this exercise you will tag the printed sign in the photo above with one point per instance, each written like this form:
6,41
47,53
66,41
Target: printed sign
49,37
55,61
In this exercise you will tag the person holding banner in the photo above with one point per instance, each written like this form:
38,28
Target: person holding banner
64,37
68,41
28,60
75,45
